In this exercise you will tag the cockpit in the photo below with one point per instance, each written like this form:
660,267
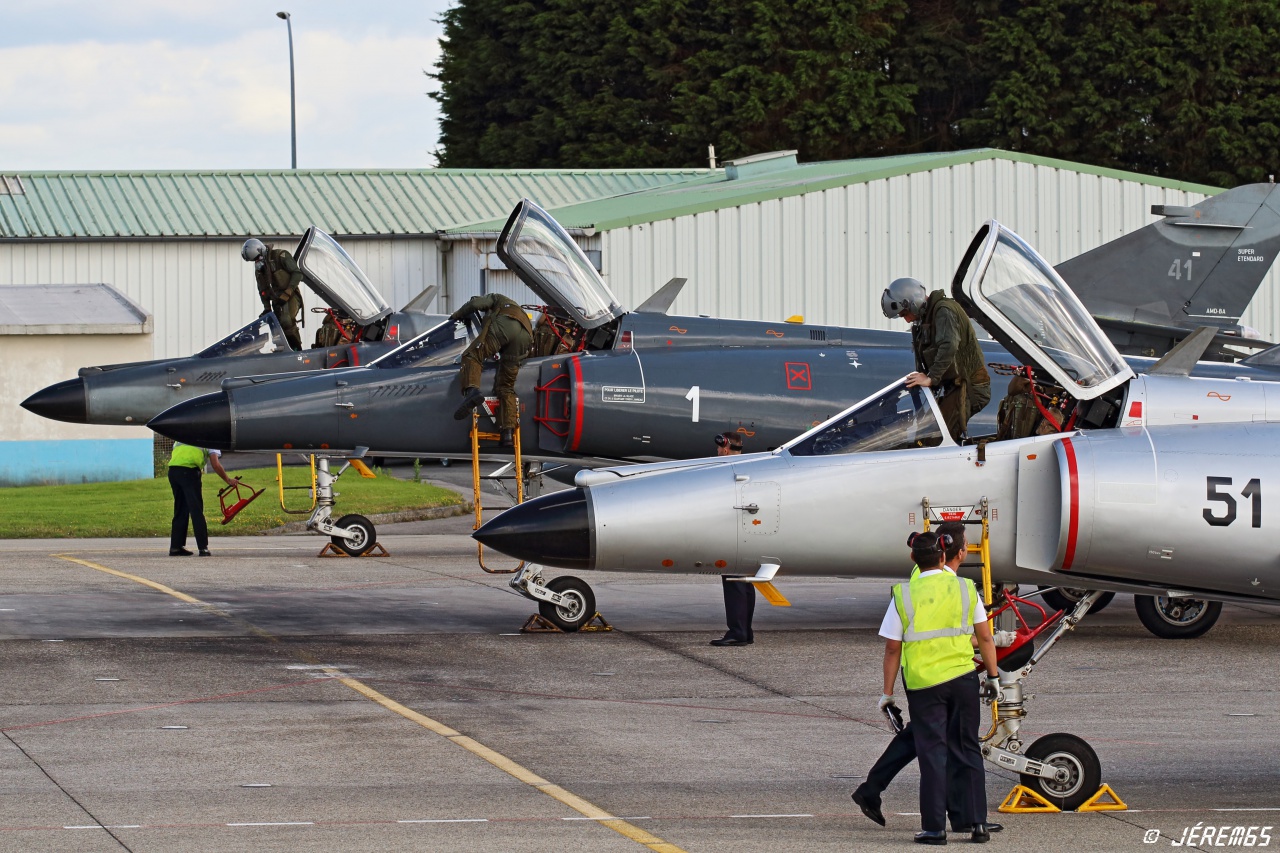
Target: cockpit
897,418
261,336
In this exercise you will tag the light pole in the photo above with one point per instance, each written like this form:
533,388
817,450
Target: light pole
293,107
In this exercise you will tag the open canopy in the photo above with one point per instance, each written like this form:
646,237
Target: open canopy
336,278
553,266
1018,297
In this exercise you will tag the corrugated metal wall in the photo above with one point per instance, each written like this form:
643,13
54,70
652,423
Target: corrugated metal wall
828,255
199,291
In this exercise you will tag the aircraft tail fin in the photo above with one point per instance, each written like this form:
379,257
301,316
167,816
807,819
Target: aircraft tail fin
1197,266
660,301
423,300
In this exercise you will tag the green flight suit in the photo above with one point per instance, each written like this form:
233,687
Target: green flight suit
947,351
279,278
506,331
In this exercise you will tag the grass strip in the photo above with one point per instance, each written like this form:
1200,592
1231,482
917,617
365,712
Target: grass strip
140,508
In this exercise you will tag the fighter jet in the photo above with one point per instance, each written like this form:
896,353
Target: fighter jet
1155,485
136,392
1106,504
609,384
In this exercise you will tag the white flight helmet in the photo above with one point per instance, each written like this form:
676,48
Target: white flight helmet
903,296
253,249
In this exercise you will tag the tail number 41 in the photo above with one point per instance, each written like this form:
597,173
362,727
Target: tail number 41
1253,492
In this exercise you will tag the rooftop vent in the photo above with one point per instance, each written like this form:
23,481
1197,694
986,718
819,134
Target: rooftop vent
759,164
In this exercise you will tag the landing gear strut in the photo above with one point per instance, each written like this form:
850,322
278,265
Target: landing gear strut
1060,767
354,535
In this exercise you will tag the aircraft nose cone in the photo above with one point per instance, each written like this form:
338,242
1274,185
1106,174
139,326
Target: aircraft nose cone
64,401
553,530
203,421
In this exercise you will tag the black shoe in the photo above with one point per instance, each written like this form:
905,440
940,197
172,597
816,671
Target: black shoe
990,827
980,834
870,805
730,641
931,837
179,552
204,552
471,399
506,437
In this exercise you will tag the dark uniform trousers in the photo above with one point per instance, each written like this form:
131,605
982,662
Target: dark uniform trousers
739,608
508,337
945,719
900,752
188,503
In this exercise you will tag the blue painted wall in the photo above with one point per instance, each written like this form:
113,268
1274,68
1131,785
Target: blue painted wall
40,463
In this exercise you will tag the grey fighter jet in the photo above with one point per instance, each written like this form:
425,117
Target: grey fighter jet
1156,485
642,385
136,392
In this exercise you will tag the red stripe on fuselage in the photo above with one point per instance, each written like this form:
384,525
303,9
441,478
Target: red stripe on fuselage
578,406
1073,520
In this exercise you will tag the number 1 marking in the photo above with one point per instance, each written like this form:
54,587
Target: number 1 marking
694,396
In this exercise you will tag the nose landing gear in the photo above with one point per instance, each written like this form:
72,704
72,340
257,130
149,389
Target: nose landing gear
1062,768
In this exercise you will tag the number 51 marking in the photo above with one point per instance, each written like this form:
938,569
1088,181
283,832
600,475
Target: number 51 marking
1253,491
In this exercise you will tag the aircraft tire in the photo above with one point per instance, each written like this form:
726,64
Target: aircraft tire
365,539
1177,618
1082,765
579,609
1065,598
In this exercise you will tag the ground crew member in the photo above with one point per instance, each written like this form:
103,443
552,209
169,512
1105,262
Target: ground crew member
506,331
948,358
927,629
186,464
901,750
739,596
279,280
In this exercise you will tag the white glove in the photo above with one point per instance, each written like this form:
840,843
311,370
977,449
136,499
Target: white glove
886,699
990,687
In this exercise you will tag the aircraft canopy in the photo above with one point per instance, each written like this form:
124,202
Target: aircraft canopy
261,335
897,418
336,278
553,266
1019,298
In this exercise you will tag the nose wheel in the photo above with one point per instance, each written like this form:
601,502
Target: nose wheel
1078,773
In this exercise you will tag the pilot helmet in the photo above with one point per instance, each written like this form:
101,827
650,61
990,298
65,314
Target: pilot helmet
903,295
253,249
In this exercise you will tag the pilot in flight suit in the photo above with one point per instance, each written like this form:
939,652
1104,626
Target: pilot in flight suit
948,357
278,278
508,332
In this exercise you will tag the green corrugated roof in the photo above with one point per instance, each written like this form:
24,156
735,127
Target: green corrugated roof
715,191
148,205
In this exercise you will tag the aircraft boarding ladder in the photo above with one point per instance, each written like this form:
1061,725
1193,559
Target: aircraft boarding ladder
476,437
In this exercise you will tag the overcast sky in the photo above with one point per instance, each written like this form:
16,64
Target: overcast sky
199,84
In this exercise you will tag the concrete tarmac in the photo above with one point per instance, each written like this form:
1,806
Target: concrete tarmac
265,699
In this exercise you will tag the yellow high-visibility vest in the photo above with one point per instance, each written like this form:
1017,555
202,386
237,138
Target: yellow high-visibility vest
186,456
937,613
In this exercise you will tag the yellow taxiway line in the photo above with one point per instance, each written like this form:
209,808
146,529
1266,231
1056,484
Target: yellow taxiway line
497,759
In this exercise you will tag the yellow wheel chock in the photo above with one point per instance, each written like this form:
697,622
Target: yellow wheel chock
1023,800
1096,804
331,550
539,625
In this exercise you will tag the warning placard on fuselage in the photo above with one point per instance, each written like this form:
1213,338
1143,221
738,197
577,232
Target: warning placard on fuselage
622,394
950,513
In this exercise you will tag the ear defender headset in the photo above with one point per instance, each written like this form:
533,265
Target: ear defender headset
939,545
